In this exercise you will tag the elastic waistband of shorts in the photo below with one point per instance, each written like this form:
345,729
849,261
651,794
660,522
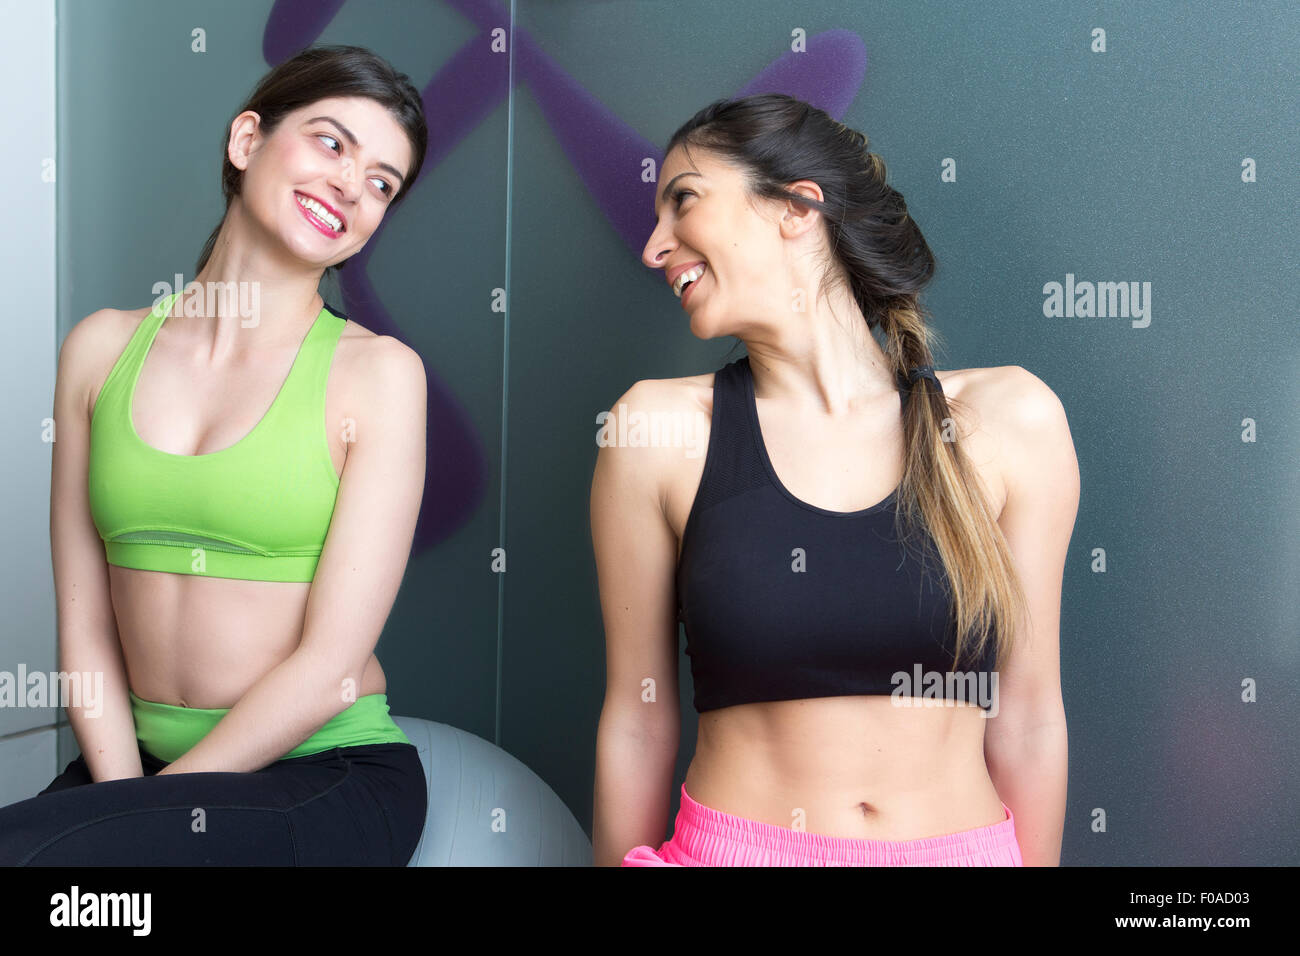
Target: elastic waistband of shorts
700,830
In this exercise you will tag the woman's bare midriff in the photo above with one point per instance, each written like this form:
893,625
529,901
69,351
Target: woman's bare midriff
860,767
202,642
857,767
195,641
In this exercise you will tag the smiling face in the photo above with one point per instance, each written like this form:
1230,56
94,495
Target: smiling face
322,180
704,217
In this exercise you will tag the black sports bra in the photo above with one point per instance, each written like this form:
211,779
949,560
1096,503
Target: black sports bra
783,600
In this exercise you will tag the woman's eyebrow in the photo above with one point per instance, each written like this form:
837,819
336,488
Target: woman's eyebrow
664,195
353,140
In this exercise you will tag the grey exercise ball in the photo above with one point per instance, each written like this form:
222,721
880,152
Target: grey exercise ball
486,808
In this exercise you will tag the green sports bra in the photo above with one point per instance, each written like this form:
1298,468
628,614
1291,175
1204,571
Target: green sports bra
258,510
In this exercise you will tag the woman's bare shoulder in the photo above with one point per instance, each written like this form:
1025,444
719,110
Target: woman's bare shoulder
657,418
1005,394
93,345
1013,406
688,393
966,384
106,323
103,329
374,369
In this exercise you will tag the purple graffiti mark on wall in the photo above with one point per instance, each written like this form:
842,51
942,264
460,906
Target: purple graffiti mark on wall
605,151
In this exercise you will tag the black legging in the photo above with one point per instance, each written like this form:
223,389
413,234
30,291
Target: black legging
350,806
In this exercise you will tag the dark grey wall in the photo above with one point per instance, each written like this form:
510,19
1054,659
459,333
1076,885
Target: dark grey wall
1117,166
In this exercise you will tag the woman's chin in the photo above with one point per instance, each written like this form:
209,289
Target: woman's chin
320,253
705,330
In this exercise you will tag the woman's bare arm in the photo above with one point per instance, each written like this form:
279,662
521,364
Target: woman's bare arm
640,723
1026,745
87,627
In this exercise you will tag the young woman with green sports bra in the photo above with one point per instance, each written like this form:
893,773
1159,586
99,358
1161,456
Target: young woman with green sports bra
234,500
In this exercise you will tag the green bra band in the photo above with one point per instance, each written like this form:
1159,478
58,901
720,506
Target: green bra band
168,731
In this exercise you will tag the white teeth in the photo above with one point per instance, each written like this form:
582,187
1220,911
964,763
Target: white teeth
690,275
321,212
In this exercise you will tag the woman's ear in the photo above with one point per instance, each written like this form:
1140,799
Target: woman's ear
245,134
797,218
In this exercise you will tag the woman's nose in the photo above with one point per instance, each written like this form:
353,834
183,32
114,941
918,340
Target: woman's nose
347,182
656,250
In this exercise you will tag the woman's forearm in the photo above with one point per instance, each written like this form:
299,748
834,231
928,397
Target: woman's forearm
1031,777
286,706
101,719
633,792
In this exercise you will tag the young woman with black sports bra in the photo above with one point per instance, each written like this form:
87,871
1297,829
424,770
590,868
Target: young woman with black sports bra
852,513
235,494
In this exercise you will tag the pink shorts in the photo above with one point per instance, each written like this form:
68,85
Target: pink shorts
703,836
